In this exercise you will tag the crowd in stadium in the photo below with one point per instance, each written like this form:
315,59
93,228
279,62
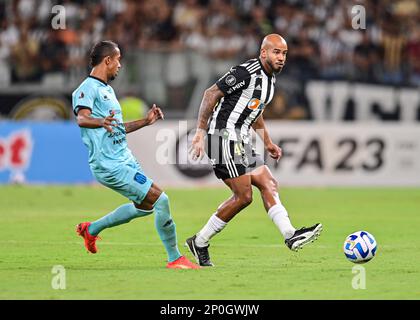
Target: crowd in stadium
322,42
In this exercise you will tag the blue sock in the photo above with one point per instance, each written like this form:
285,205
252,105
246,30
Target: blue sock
122,214
165,227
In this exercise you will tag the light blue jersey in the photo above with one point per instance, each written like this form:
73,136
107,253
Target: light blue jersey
105,149
110,159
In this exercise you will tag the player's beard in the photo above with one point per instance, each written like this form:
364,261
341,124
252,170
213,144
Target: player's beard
113,76
276,71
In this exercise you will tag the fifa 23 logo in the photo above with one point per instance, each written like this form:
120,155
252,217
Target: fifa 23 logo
16,151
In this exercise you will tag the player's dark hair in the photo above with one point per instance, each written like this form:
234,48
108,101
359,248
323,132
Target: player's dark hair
101,50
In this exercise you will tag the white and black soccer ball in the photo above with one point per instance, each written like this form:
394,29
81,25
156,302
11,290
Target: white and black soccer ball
360,247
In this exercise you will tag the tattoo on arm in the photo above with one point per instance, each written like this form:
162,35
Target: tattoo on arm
211,97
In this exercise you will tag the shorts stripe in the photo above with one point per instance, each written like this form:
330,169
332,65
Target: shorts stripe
229,159
228,164
234,165
225,158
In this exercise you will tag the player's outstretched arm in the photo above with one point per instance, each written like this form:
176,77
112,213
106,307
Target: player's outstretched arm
211,96
85,120
153,115
260,128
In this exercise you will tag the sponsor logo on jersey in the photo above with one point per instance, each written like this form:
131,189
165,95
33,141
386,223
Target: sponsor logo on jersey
255,104
230,80
239,85
105,94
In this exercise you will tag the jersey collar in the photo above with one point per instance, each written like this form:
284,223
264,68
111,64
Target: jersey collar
98,79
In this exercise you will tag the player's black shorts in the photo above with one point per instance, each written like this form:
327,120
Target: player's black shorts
231,159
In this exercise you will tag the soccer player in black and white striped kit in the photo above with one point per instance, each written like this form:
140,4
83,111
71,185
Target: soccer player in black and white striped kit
229,109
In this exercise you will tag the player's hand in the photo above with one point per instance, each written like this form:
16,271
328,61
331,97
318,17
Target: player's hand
274,151
154,114
110,122
197,146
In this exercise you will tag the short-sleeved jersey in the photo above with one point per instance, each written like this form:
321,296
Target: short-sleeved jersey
106,150
247,89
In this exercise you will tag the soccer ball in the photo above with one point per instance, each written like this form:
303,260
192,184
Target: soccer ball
360,247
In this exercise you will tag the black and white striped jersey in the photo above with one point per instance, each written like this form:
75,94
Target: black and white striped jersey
247,90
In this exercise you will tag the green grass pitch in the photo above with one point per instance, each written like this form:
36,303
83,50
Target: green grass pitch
37,232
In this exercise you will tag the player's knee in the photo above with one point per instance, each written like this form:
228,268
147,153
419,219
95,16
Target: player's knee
245,198
162,201
164,197
162,211
270,185
274,184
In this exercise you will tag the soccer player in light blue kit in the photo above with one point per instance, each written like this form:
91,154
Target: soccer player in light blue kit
112,163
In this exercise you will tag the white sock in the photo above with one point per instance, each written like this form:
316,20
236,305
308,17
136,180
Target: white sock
279,216
213,226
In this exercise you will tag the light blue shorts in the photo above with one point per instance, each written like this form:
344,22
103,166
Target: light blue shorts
128,180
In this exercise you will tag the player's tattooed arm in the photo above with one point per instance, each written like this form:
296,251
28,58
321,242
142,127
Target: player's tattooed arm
211,96
260,128
85,120
154,114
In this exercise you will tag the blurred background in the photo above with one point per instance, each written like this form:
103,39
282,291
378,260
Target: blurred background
174,49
